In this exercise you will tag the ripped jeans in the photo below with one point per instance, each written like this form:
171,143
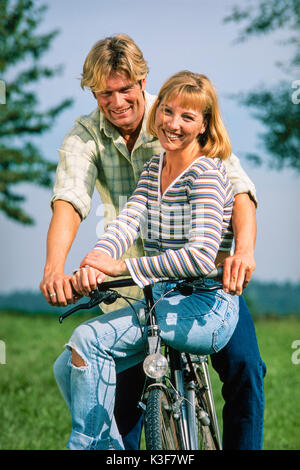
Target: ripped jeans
201,323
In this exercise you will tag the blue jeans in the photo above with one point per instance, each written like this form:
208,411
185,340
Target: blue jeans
242,372
201,323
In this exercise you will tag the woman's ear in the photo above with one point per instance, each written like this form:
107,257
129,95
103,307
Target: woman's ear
203,128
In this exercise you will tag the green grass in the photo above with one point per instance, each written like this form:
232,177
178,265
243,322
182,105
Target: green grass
33,414
282,382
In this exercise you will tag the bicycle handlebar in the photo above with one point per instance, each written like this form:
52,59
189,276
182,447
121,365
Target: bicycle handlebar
127,282
103,293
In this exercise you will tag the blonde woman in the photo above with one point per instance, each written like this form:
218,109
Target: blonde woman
182,206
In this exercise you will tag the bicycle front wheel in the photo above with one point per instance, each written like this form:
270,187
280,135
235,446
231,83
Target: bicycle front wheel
162,429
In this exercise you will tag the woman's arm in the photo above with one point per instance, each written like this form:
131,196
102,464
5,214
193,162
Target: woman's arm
207,194
206,197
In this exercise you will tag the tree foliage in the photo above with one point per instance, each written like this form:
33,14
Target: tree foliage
21,49
278,108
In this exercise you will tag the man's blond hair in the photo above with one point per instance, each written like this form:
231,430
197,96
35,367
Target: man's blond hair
112,55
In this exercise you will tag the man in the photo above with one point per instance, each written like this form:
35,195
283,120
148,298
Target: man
108,149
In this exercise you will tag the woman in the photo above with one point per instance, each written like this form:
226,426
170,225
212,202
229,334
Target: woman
182,207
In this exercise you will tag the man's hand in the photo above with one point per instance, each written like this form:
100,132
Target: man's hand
57,289
237,272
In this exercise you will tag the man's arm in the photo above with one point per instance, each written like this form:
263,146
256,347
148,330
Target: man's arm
61,234
238,268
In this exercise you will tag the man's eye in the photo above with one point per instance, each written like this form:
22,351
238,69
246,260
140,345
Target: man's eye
127,90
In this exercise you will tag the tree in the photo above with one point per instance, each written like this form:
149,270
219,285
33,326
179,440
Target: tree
278,109
20,118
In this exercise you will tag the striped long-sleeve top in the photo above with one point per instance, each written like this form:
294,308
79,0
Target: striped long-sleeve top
182,229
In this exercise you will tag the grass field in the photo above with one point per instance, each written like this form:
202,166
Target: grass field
34,416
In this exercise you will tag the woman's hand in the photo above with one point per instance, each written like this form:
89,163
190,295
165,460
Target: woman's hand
86,279
105,263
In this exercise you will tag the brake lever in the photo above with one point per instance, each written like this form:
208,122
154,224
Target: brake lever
95,298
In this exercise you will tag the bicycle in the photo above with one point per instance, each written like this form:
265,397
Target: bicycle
177,400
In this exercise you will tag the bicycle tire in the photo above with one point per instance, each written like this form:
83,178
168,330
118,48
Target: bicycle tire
162,430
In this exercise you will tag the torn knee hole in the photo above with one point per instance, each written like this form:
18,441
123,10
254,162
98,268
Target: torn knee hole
77,360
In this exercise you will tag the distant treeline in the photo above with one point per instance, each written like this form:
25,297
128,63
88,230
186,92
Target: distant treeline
266,298
263,298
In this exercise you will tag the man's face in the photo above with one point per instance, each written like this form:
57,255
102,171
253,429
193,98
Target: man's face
122,102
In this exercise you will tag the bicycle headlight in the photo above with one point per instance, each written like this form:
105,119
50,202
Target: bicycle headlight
155,365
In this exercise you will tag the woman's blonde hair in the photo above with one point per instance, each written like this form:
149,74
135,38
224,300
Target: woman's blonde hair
195,91
113,54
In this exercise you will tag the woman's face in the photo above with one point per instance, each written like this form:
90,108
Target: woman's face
178,127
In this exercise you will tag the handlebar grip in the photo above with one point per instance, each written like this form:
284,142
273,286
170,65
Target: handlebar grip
128,282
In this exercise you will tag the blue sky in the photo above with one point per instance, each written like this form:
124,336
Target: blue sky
174,35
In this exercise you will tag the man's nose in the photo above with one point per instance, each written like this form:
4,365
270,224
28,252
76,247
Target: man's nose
116,99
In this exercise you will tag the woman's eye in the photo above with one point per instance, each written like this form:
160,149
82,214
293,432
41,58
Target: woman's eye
188,118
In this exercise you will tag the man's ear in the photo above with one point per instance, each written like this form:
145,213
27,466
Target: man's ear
143,84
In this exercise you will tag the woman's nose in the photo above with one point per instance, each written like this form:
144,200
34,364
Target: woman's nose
173,122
